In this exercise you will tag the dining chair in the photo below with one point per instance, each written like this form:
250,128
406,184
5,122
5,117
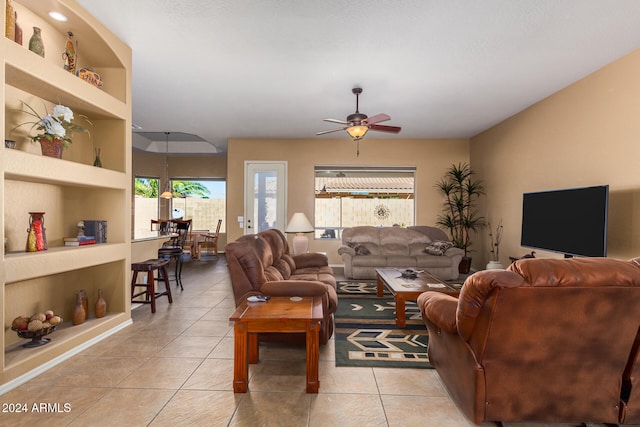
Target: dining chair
209,243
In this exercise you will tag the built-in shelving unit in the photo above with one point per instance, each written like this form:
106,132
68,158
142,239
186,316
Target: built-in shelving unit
67,190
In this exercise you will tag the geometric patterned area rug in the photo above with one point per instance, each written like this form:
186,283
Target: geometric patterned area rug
366,334
358,287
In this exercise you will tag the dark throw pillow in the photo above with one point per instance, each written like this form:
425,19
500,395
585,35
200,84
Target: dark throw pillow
360,250
438,247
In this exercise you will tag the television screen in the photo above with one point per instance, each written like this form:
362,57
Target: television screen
571,221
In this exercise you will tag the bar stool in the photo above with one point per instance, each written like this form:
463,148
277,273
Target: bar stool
149,266
174,248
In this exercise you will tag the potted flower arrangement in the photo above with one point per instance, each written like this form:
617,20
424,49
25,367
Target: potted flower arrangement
56,126
459,213
494,262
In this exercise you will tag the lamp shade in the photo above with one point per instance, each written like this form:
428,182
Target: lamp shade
167,195
357,132
299,224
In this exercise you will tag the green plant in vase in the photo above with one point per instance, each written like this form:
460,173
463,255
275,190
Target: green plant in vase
459,213
56,127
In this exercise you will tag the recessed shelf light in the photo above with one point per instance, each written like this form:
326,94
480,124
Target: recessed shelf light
58,16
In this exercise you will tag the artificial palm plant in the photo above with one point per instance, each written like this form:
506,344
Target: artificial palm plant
459,213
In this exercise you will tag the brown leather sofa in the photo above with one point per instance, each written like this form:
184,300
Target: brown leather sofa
260,264
547,340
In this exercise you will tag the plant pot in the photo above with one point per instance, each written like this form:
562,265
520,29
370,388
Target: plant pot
495,265
465,265
51,148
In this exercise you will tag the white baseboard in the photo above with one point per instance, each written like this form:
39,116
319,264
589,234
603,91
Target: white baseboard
4,388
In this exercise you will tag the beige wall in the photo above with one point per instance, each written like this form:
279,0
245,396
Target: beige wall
189,167
586,134
431,157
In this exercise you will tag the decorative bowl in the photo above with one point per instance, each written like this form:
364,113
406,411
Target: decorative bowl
410,273
90,77
35,336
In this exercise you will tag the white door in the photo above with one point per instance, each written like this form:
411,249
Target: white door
265,196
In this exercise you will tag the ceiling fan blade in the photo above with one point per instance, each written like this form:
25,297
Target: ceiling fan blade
383,128
329,131
342,122
378,118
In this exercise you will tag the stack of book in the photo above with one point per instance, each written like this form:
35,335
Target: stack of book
80,241
96,228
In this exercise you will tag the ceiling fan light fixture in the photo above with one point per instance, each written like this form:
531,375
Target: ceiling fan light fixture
357,132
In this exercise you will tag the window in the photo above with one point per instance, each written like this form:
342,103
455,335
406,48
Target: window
145,206
352,196
203,201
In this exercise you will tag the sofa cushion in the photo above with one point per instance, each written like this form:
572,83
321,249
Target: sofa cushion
272,274
322,274
289,260
416,249
360,234
400,261
395,249
283,267
370,261
439,247
426,261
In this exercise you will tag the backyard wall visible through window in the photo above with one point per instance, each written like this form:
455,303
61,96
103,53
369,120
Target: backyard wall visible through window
352,196
203,201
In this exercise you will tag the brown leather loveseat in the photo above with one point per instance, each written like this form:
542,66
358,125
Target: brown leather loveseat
260,264
547,340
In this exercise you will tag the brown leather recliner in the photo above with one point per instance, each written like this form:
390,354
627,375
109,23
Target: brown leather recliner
260,264
547,340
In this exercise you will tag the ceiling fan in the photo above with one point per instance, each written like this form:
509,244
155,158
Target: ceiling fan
357,124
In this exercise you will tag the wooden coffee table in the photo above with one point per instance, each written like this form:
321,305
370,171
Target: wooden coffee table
408,289
279,314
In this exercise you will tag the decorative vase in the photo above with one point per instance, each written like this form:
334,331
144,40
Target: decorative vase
18,31
101,305
36,236
10,25
79,314
465,265
52,147
85,302
495,265
97,162
35,42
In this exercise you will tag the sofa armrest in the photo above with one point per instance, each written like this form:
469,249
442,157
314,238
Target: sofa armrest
346,250
477,288
290,288
310,259
303,288
439,309
454,251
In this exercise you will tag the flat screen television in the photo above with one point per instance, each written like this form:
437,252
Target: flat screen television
570,221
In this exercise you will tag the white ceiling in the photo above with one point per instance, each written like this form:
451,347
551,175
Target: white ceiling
224,69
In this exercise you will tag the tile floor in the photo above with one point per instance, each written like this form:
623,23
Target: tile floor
175,368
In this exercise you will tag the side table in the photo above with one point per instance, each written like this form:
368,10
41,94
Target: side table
279,314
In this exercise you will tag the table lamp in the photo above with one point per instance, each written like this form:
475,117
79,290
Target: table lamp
299,224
